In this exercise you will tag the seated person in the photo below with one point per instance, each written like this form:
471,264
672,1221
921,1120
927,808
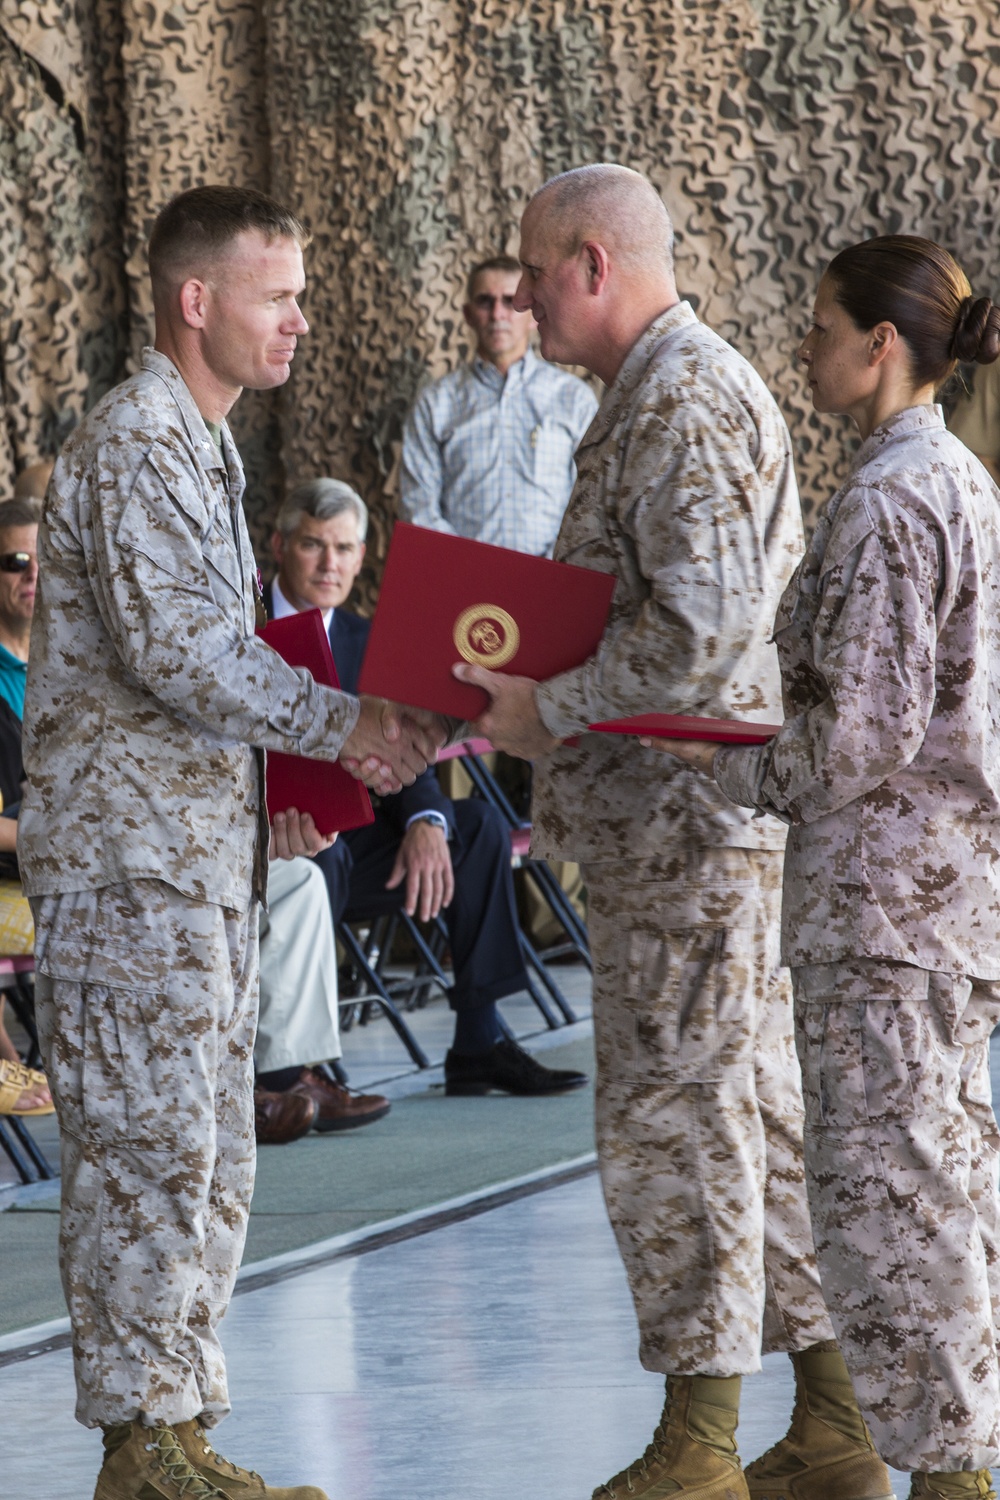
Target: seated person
423,853
299,1024
22,1090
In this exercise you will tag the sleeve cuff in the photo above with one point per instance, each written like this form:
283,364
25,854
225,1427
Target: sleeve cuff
740,771
430,816
559,707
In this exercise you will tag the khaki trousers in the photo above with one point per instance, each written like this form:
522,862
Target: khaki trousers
146,1005
699,1109
299,1021
901,1148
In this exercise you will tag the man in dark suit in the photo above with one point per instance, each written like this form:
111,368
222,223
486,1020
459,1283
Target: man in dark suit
423,853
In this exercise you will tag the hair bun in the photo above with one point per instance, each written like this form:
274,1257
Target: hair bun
977,331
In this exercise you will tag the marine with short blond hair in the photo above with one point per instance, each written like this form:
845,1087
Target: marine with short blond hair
143,839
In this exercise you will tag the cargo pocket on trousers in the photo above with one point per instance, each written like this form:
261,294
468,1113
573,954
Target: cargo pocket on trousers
855,1068
116,1002
677,1000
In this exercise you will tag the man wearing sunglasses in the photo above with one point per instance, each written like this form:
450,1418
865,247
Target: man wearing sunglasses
18,576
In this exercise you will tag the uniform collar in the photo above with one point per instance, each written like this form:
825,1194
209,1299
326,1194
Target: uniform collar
901,424
208,451
634,368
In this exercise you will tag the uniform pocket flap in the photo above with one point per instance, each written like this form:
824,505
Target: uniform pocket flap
85,963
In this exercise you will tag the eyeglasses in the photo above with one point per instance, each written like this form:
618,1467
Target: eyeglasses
16,562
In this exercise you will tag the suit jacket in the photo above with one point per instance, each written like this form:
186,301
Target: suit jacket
348,639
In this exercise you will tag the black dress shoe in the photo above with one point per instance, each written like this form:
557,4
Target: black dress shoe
508,1067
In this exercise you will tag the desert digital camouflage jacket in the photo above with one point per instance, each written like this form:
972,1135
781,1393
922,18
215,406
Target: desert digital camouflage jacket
147,687
686,492
888,765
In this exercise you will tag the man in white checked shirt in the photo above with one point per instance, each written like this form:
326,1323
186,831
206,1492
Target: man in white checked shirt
488,451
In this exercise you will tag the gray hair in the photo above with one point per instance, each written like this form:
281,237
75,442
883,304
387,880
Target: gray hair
608,201
323,499
18,512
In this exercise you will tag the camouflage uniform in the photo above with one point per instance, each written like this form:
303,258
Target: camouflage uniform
142,843
686,492
888,770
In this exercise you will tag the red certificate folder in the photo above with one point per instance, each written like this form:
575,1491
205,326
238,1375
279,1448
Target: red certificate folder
335,798
687,727
446,598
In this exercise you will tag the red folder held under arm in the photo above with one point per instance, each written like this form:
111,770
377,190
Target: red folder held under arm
689,727
322,787
446,598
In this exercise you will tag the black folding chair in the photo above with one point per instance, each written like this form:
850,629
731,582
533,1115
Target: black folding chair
540,876
365,953
25,1155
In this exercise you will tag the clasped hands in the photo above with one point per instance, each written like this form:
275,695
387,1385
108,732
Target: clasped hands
390,745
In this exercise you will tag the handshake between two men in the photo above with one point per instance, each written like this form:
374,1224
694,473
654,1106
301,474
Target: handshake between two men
388,748
391,745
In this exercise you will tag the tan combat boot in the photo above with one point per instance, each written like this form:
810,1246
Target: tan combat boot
827,1451
973,1484
240,1484
148,1463
693,1452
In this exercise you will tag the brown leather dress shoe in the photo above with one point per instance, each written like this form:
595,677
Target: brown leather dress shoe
279,1118
339,1109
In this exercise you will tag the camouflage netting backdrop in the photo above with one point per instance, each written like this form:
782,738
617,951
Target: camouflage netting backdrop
409,133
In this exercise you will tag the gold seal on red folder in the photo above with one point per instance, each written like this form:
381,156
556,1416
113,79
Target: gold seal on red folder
486,636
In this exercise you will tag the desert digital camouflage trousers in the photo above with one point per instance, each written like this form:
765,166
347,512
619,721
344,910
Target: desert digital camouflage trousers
901,1149
147,1004
699,1109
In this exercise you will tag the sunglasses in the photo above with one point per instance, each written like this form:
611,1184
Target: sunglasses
16,562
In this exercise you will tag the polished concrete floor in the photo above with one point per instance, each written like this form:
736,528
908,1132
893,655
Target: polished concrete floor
491,1357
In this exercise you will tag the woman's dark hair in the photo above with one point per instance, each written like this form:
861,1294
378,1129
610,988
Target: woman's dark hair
917,286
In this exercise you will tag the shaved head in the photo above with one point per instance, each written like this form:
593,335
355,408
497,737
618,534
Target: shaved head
614,205
597,265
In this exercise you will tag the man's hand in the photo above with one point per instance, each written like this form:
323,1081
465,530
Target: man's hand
512,721
424,859
390,746
697,753
294,833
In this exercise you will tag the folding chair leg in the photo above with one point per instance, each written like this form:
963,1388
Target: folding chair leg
552,892
27,1158
21,998
536,963
383,998
424,949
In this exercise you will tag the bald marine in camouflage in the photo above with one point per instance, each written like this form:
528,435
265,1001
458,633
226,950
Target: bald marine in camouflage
143,840
686,492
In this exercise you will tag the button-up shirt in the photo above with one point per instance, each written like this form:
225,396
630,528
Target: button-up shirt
490,456
686,492
147,687
888,764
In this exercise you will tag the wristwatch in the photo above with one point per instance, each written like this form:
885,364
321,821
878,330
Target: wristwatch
430,816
